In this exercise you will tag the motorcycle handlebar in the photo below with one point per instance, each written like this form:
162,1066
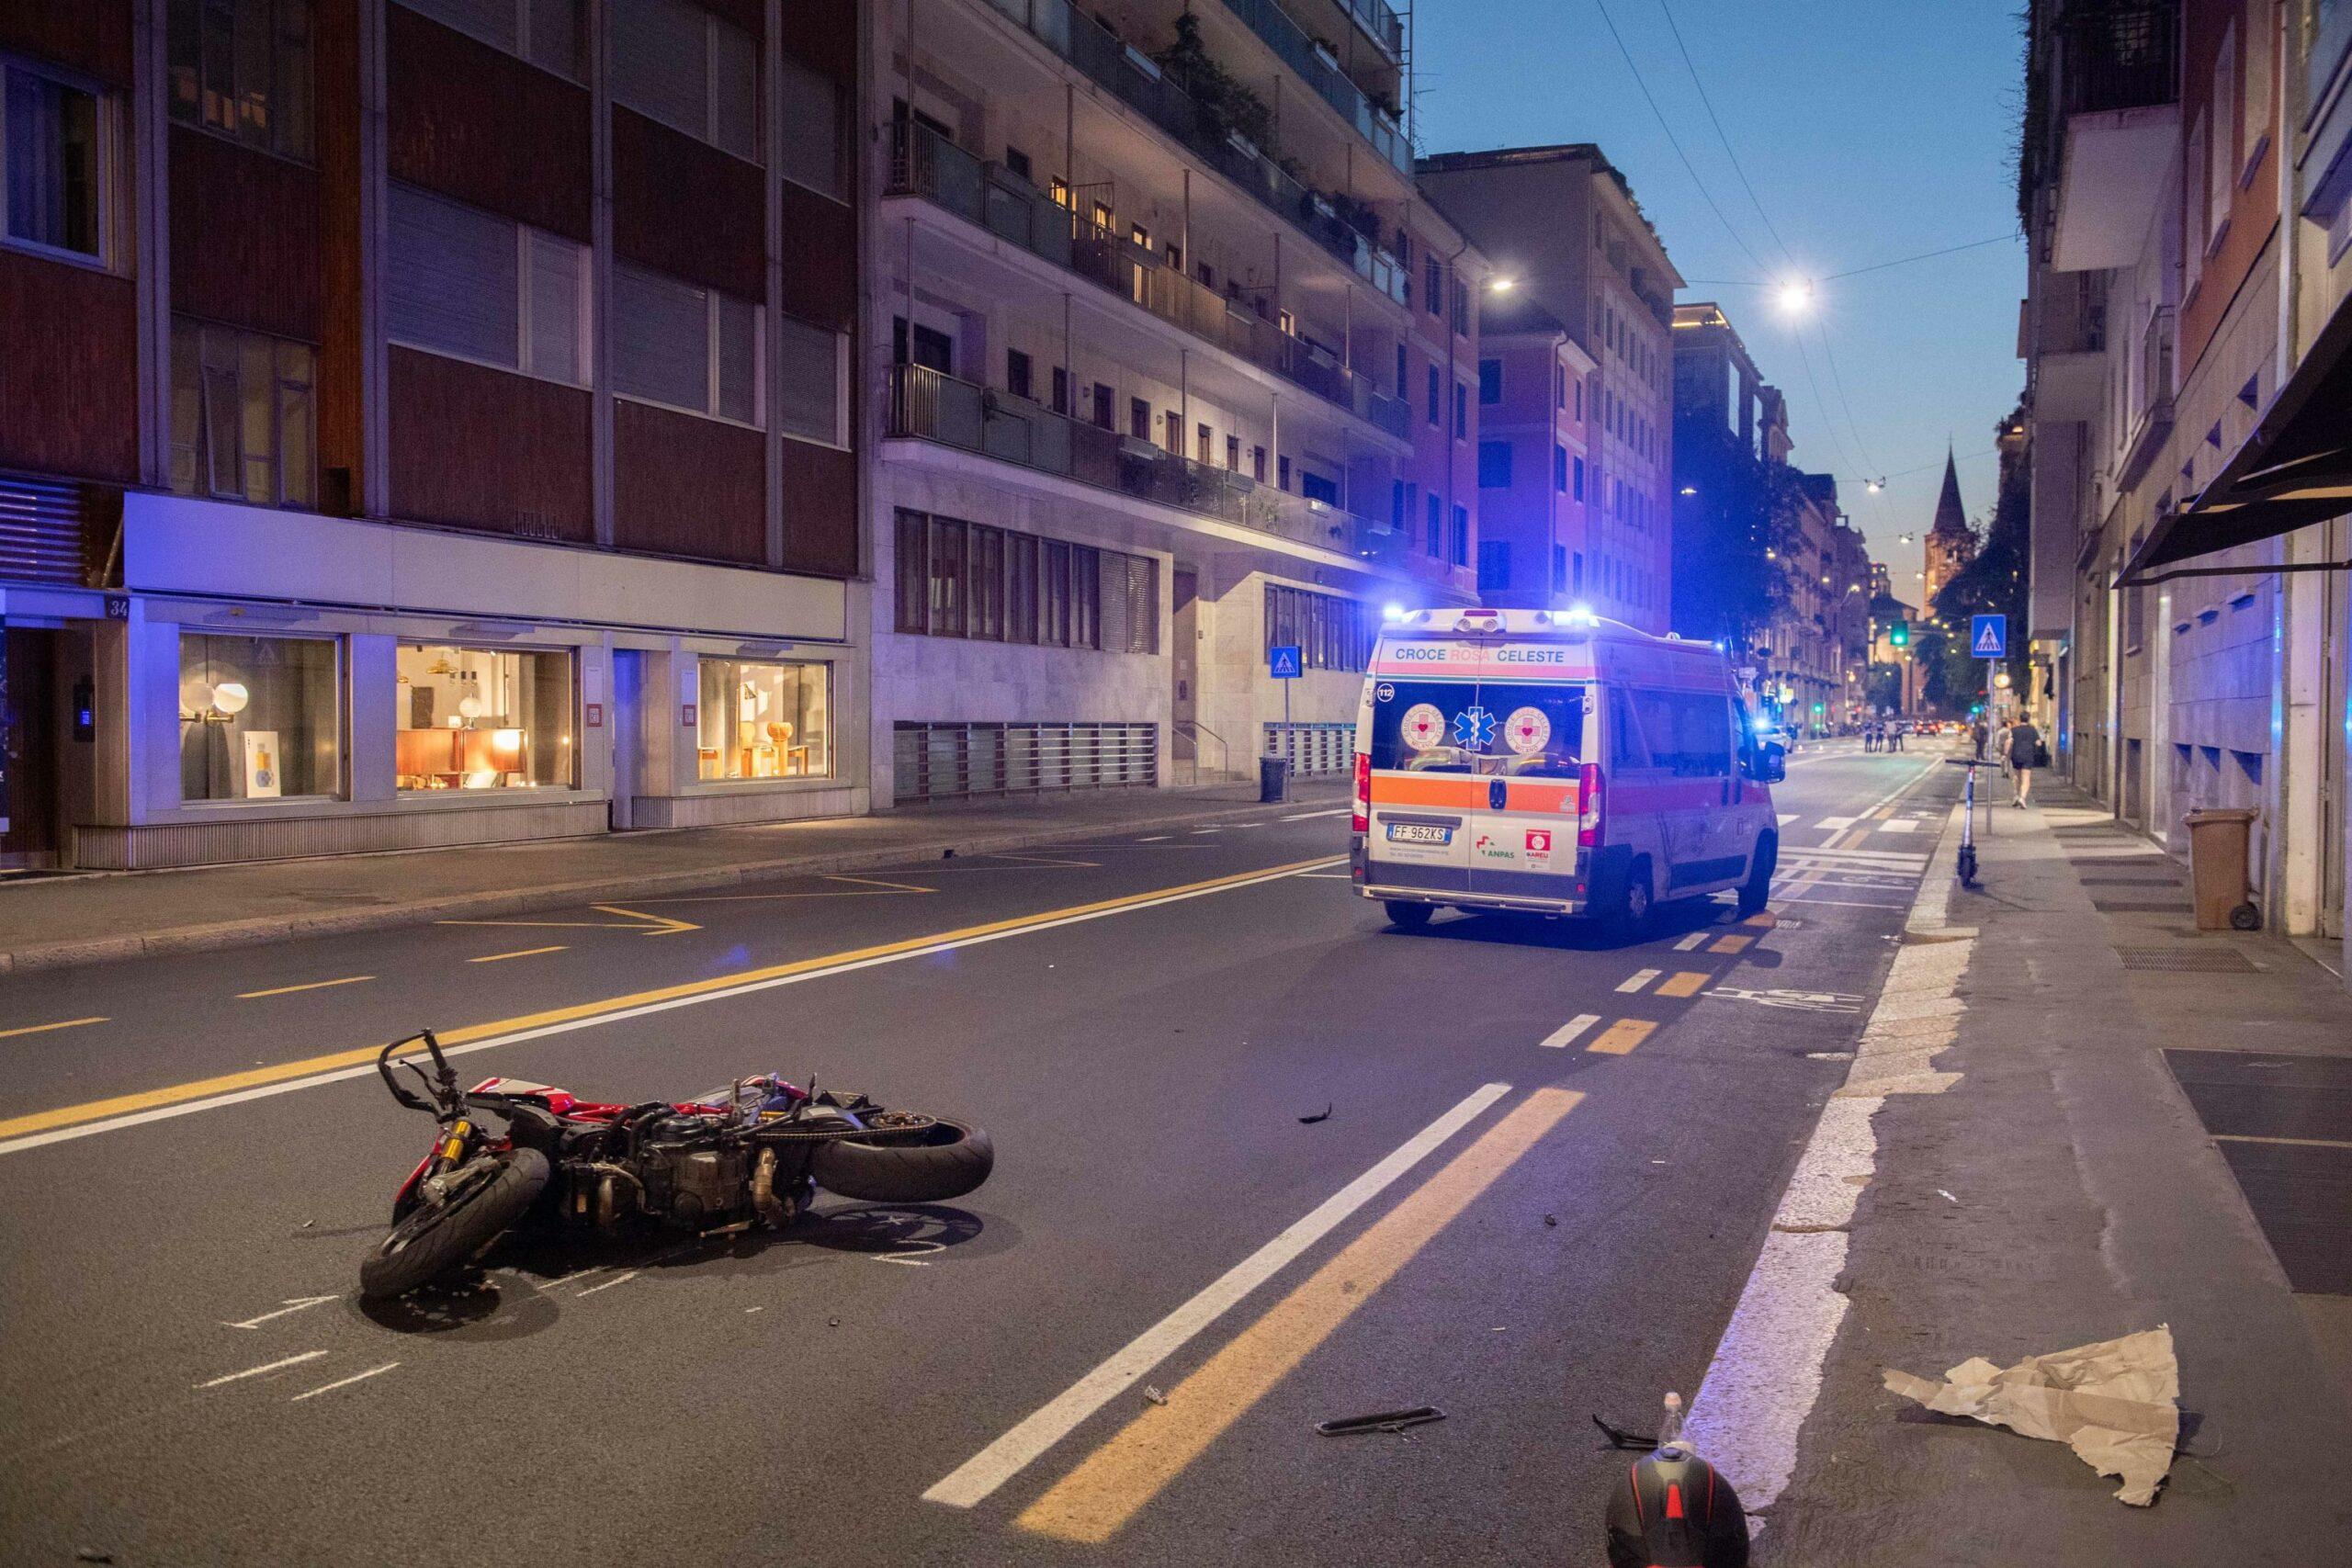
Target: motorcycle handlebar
441,1083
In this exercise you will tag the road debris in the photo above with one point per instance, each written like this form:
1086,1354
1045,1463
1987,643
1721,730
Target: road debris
1383,1421
1151,1393
1946,1196
832,1323
92,1555
1322,1115
2116,1404
1621,1439
1551,1220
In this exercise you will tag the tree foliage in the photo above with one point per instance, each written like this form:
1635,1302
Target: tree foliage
1732,539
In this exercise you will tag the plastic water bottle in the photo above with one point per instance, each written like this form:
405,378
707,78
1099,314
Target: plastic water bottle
1669,1425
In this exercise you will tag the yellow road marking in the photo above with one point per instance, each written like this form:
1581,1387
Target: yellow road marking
1731,944
651,925
1621,1036
519,952
311,986
45,1028
1685,984
878,882
1763,921
1105,1491
252,1077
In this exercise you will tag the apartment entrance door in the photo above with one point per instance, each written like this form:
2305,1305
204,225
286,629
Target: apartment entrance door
628,735
1183,666
29,748
2335,742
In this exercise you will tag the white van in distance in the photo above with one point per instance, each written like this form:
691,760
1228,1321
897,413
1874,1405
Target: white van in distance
1554,764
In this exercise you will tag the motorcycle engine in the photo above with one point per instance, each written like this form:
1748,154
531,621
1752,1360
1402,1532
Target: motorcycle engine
694,1169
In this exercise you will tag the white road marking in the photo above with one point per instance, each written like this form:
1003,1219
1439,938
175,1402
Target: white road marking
1639,978
1310,816
265,1367
1787,817
973,1480
1834,903
1567,1034
1835,824
1866,857
1766,1371
622,1015
344,1383
1687,942
615,1280
1900,825
1156,839
293,1305
1198,832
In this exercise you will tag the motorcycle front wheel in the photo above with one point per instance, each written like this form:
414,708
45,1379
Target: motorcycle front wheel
434,1237
927,1164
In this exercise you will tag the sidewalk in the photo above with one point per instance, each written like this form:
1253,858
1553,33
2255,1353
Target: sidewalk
52,922
2082,1117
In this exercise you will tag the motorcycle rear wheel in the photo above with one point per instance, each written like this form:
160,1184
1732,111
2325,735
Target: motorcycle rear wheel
928,1165
436,1237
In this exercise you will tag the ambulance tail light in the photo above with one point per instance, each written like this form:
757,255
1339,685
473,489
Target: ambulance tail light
1360,817
1589,814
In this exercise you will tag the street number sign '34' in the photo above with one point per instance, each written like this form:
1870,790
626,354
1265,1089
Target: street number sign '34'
1988,637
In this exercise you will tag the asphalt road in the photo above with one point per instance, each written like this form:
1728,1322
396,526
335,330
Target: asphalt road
1519,1233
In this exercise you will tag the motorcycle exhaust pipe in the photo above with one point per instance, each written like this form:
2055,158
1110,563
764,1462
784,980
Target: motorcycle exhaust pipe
764,1198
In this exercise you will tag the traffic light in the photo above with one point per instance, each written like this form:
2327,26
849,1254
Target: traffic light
1819,708
1898,634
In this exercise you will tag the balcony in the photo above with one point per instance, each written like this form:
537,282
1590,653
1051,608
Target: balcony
928,406
927,165
1131,77
2118,90
2147,414
1289,41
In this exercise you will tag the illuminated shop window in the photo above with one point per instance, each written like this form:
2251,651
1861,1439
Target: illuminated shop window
764,721
259,717
483,718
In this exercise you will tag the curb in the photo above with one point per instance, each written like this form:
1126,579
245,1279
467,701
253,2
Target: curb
279,928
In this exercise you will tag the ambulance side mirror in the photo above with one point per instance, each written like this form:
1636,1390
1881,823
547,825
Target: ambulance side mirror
1764,764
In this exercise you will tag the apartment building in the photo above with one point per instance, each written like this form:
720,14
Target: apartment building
1173,366
425,423
1562,222
1534,462
2188,188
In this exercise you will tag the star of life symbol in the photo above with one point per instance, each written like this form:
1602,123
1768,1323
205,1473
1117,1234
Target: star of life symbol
1474,730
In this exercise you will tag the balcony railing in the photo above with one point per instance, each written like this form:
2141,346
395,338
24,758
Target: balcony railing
927,165
2119,58
1129,75
929,406
1289,40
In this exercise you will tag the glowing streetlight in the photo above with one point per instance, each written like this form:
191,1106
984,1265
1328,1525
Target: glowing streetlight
1874,486
1501,285
1689,490
1796,296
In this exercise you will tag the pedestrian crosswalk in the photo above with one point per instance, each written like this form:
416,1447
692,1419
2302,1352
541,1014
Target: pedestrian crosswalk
1866,824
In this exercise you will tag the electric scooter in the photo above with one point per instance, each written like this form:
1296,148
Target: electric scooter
1968,817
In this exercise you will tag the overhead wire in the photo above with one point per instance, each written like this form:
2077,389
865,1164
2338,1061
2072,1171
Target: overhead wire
1674,141
1687,64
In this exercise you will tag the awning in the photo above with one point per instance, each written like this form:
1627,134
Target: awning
2296,468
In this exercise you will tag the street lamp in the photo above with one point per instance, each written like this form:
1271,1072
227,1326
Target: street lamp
1796,296
1501,285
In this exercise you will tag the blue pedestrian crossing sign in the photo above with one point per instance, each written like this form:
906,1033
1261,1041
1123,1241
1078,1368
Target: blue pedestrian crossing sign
1285,662
1988,637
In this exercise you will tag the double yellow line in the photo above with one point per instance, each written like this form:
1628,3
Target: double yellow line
288,1073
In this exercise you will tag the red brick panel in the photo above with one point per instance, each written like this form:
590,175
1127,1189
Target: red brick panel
69,370
485,128
475,447
687,486
820,510
246,241
684,208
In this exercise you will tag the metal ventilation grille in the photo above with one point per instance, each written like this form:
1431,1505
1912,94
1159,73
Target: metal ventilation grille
2188,960
42,530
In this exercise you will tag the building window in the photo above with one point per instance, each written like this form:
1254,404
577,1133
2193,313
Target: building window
1494,565
547,33
54,162
1434,541
687,346
812,130
468,283
1491,380
1401,372
968,579
1330,633
1436,383
243,68
1559,568
243,423
678,64
757,720
259,717
1434,286
482,718
814,405
1461,308
1494,465
1462,535
1575,478
1461,411
1559,467
1019,374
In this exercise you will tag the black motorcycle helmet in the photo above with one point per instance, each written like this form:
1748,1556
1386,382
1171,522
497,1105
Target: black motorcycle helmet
1675,1511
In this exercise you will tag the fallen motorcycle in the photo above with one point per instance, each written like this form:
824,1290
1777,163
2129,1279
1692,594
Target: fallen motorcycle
704,1167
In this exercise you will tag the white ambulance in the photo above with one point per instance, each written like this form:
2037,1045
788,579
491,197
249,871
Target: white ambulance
1554,764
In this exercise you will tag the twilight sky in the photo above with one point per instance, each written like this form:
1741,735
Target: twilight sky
1869,132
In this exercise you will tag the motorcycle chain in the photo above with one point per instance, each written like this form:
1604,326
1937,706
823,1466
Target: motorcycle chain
913,1122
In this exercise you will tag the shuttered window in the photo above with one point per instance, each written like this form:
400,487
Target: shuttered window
685,346
472,284
968,579
810,130
810,406
547,33
680,64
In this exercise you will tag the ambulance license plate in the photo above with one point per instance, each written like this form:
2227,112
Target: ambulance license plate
1418,833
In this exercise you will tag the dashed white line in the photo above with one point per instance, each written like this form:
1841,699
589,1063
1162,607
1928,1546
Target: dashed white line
344,1383
1310,816
1787,817
615,1280
1900,825
292,1305
1835,824
1687,942
1564,1036
1156,839
265,1367
1639,978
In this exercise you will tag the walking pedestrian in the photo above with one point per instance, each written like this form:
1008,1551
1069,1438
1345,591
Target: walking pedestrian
2026,753
1979,732
1894,736
2001,754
